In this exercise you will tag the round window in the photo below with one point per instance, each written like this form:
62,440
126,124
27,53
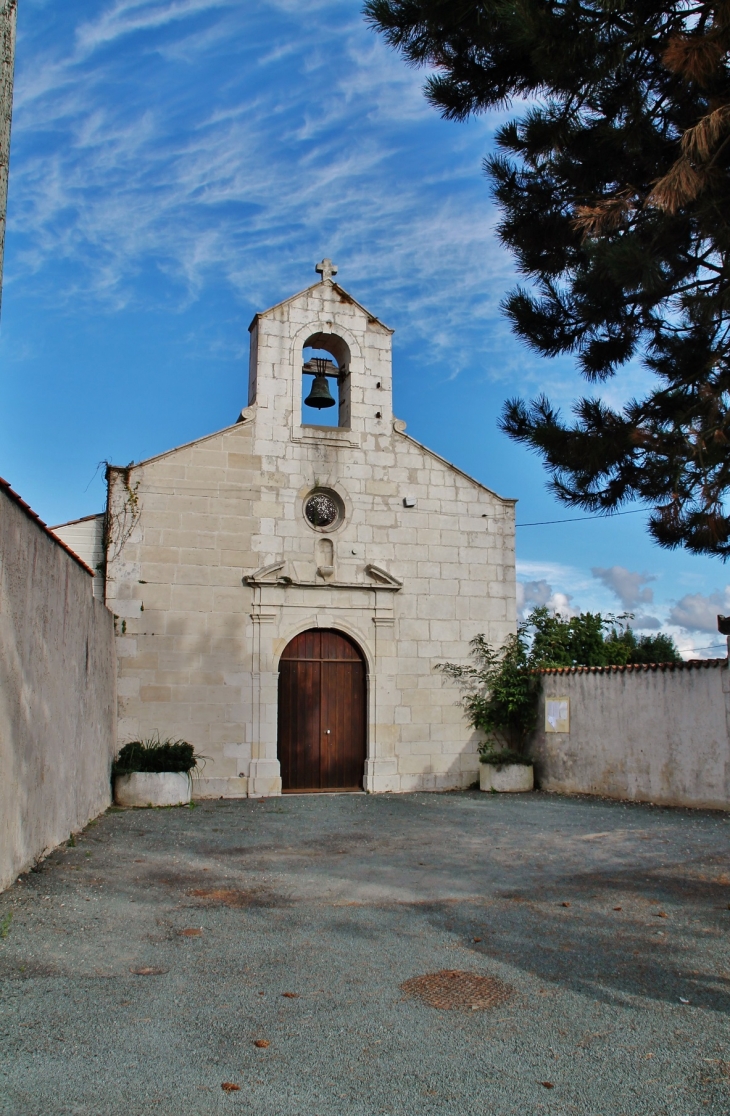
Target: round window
323,510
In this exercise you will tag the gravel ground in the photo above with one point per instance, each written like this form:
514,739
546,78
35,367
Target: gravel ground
608,922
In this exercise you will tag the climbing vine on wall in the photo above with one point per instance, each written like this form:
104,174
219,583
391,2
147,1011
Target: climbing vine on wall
122,514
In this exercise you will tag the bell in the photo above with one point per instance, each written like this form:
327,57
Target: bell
320,396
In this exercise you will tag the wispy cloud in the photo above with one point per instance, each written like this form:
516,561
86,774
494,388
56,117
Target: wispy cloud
119,168
127,16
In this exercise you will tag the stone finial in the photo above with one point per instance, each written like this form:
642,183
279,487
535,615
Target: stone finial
326,269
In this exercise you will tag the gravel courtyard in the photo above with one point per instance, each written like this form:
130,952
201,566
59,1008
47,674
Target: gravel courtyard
143,964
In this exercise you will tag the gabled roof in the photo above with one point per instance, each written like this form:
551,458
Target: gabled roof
237,426
73,522
399,427
343,295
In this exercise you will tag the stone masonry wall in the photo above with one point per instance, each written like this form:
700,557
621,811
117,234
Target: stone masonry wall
180,536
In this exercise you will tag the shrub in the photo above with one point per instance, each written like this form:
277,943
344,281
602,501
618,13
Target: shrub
155,755
500,695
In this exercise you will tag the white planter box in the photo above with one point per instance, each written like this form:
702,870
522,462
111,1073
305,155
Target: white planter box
506,777
151,788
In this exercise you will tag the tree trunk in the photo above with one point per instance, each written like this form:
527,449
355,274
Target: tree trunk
8,15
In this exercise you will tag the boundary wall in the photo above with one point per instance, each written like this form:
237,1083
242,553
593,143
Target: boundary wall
57,690
656,733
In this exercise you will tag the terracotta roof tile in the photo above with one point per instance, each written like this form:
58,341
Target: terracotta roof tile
20,502
688,664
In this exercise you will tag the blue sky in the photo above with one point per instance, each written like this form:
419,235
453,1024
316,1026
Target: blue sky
177,165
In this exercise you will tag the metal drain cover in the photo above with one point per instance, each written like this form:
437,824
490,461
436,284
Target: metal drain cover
454,990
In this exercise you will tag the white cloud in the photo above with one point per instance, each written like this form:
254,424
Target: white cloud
645,623
698,613
533,593
539,594
629,587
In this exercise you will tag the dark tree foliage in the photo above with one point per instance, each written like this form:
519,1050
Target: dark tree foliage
658,648
593,640
615,196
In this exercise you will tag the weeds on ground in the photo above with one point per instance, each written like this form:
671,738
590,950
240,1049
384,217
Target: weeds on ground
5,924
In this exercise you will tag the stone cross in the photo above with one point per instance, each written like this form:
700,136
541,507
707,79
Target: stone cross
326,269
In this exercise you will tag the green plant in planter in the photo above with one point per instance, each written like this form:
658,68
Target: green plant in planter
154,754
500,692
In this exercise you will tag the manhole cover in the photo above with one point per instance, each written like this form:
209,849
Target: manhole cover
452,989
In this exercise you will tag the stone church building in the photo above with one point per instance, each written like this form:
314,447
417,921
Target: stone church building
283,589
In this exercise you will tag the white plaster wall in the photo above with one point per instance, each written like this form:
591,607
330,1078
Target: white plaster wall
57,693
643,735
198,656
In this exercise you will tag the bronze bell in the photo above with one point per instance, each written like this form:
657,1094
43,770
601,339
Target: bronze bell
320,396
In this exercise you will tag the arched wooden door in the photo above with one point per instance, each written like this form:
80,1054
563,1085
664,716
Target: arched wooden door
322,718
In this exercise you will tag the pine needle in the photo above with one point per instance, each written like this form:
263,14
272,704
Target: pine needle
698,143
692,57
680,185
604,216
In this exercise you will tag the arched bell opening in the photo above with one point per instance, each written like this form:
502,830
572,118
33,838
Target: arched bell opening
322,714
326,381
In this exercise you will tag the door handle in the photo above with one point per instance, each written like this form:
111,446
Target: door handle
327,732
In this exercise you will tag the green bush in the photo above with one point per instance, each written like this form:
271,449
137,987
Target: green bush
155,755
500,691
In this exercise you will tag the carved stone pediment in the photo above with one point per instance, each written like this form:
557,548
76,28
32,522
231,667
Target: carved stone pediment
280,574
377,573
275,574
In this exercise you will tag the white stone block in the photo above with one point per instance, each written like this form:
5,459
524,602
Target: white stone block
212,787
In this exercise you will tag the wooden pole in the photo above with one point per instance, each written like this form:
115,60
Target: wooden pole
8,17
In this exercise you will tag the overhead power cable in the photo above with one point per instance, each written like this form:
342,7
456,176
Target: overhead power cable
580,518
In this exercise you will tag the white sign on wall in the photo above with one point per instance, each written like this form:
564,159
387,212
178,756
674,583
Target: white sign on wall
557,714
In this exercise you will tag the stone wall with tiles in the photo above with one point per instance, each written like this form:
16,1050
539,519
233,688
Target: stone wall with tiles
212,566
643,733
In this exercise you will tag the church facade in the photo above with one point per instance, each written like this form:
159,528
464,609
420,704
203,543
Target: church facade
284,590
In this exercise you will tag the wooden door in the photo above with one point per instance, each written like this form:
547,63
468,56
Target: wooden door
322,721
